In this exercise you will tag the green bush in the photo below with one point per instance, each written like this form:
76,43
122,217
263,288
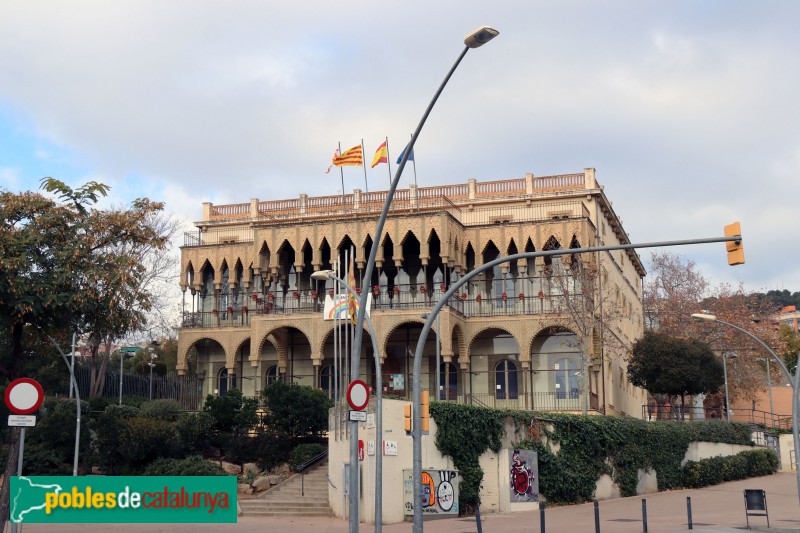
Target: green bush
167,409
191,466
194,430
50,445
304,452
143,440
109,428
299,411
743,465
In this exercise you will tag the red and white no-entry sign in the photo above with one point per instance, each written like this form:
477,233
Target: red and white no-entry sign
24,396
357,395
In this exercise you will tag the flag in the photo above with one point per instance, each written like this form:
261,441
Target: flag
381,155
351,280
335,155
410,156
352,157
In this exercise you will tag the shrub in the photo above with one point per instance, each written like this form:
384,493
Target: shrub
743,465
167,409
50,445
109,428
304,452
194,430
297,410
143,440
191,466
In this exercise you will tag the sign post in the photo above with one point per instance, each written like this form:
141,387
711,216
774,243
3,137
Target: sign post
23,397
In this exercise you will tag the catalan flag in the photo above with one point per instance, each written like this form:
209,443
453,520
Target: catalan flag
352,157
381,155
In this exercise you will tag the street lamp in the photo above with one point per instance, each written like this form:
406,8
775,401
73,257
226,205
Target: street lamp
725,357
769,385
708,317
438,356
474,39
153,345
324,275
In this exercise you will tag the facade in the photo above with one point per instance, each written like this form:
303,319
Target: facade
535,334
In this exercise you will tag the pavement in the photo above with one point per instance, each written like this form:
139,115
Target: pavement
717,509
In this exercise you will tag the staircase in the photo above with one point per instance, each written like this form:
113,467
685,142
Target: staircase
286,499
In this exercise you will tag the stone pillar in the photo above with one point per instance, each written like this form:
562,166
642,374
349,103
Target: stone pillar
303,199
253,207
471,185
529,183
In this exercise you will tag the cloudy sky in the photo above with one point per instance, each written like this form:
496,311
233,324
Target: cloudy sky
689,111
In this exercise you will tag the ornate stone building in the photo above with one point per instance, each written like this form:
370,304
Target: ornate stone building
537,334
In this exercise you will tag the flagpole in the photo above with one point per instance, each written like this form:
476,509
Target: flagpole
414,163
388,161
364,165
341,173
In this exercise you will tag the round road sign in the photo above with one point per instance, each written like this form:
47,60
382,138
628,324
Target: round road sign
24,396
357,395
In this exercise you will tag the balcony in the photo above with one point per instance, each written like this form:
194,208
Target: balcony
470,303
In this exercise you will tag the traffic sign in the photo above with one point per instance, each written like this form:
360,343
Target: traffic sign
129,349
358,416
22,420
357,395
24,396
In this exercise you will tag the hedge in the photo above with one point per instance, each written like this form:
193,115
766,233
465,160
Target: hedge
743,465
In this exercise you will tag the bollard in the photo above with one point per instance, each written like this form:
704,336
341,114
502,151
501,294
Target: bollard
596,517
541,518
644,515
689,510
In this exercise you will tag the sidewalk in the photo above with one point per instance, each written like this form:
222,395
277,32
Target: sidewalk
714,509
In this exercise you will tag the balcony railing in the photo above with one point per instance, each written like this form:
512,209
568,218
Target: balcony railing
470,303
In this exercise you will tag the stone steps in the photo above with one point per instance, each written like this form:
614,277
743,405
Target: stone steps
286,499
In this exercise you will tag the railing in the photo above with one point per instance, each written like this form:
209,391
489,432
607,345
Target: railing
218,236
654,412
305,465
398,297
403,199
532,401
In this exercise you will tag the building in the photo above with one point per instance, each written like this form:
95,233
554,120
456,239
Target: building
789,315
535,334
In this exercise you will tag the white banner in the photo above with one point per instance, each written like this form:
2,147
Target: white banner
338,307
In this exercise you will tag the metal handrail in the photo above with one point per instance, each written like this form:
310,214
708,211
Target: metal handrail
305,465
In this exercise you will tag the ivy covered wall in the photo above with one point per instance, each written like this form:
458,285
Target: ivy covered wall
574,451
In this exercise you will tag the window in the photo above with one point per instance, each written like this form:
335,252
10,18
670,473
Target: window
326,379
566,378
272,375
505,380
448,381
222,381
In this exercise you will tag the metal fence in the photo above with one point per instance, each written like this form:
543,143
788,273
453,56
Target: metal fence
186,390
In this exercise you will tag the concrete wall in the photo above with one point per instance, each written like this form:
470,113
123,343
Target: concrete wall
495,490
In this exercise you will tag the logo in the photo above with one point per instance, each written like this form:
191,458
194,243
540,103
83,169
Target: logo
123,499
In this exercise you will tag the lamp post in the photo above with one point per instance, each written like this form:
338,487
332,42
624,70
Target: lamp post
153,345
707,317
474,39
725,357
769,385
324,275
438,354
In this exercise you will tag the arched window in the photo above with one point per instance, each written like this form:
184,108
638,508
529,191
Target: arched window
326,379
566,375
448,381
222,381
505,380
271,376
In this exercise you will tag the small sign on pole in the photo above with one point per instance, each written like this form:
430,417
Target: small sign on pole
21,421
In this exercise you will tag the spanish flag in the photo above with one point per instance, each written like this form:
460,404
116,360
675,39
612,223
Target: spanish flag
352,157
381,155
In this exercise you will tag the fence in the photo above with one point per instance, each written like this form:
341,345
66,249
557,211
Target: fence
186,390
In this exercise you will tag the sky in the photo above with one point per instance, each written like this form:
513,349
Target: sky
687,110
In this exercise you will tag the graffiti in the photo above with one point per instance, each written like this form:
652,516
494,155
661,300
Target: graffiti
523,479
439,492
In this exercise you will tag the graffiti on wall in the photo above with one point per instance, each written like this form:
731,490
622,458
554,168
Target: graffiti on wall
524,476
439,492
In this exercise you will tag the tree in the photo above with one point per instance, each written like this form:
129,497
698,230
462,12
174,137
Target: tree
672,366
675,289
574,287
791,346
299,411
61,268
